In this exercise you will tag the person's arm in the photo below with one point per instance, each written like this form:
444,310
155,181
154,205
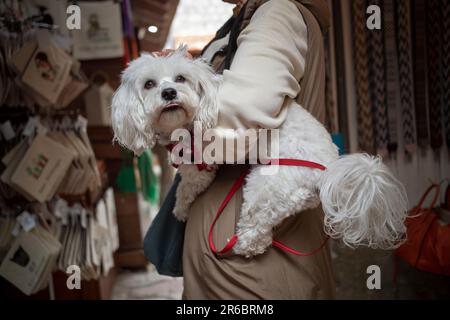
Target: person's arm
267,67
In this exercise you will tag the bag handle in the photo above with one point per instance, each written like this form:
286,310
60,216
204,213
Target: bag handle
419,207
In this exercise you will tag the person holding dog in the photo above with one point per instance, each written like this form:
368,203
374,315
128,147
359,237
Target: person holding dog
271,55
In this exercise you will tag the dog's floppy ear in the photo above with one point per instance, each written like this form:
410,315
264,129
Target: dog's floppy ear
208,83
129,120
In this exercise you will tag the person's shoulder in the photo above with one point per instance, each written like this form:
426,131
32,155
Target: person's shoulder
277,5
278,10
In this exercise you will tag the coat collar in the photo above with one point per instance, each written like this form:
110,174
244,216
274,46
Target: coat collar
320,10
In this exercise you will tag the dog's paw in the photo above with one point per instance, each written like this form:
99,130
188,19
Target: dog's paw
251,243
180,213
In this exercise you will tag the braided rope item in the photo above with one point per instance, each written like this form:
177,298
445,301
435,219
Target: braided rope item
433,23
406,78
445,5
365,124
377,82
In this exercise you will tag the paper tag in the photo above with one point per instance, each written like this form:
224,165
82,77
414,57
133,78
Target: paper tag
25,263
30,127
42,169
7,130
49,72
26,220
103,42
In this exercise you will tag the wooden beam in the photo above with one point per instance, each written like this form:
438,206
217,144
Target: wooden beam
154,12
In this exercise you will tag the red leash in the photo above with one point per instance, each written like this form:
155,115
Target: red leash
238,184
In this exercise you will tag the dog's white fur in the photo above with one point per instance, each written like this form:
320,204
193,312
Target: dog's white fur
364,203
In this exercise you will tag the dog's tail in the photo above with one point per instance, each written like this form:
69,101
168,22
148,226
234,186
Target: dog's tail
364,204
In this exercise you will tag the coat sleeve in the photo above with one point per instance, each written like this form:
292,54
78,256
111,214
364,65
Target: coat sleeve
265,72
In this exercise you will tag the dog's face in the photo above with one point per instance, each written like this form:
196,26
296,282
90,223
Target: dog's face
160,94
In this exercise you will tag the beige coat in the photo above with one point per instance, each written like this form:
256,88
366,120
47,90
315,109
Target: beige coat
279,62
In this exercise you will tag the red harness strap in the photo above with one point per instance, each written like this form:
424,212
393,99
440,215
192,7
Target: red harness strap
235,187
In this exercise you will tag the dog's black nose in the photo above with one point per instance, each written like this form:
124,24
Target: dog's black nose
169,94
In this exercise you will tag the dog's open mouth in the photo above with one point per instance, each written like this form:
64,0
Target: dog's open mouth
172,112
172,107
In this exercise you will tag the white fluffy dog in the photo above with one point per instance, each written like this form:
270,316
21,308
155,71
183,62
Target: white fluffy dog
363,202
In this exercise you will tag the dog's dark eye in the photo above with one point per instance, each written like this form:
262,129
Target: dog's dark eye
149,84
180,78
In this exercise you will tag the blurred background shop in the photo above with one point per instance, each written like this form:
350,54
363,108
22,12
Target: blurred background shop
69,197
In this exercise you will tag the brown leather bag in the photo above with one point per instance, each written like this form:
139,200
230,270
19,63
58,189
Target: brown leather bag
428,244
